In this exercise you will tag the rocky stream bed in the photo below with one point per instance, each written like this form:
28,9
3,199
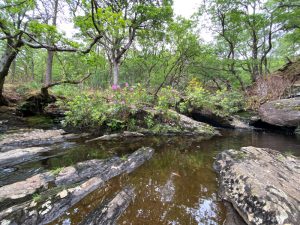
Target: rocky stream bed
50,176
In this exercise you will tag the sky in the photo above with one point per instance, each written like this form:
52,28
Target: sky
185,8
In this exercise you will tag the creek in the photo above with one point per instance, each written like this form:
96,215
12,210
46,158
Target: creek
177,186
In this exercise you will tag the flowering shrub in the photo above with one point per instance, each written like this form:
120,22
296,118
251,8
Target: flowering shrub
111,108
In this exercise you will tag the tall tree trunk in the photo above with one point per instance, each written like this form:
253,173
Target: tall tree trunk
48,73
255,66
116,71
5,63
32,68
13,70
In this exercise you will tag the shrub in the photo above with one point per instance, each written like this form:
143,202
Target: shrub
112,108
221,102
167,98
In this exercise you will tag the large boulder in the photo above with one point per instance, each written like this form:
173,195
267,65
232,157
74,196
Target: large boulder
209,117
261,184
283,112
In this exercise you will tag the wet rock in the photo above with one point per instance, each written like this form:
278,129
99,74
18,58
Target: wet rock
190,125
109,137
215,120
232,217
282,113
33,138
237,123
110,212
174,123
262,185
211,118
17,156
65,189
27,187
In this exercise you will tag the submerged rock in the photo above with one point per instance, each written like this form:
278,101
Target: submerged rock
59,192
109,213
262,185
282,113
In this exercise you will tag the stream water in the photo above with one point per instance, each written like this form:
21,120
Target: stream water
177,186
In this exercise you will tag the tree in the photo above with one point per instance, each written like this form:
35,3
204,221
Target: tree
19,26
48,73
13,19
120,22
249,29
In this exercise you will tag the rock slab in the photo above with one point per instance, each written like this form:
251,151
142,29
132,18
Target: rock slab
283,112
263,185
110,212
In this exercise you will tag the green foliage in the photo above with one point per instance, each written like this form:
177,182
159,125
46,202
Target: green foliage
27,87
221,102
149,120
112,109
168,97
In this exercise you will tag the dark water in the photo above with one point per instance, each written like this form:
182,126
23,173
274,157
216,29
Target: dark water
177,186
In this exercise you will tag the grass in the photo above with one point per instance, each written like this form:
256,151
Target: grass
288,153
124,157
56,171
37,197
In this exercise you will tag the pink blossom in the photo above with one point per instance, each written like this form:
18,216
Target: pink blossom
126,84
131,89
115,87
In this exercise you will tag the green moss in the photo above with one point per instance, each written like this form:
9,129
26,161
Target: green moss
240,155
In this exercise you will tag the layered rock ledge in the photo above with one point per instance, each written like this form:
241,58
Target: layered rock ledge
44,197
262,185
34,137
